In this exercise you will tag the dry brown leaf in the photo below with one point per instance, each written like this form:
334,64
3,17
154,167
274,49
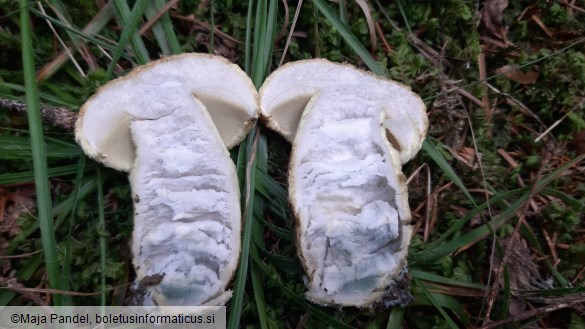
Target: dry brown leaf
13,203
513,73
466,155
524,274
578,142
492,19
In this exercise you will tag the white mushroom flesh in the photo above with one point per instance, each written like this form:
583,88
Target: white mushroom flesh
350,133
349,195
187,219
187,216
285,94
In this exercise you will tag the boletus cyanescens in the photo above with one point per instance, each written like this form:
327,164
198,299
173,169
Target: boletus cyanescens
169,124
350,132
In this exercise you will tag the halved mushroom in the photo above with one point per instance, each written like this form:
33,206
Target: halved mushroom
346,185
168,124
285,94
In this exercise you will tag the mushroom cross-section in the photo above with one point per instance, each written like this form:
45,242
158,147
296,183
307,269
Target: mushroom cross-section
168,123
350,133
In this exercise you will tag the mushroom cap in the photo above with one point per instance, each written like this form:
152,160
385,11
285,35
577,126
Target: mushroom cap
229,96
286,92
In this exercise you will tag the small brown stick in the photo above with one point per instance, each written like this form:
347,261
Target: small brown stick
156,17
579,275
56,35
532,313
430,205
12,284
542,26
283,30
292,29
385,44
81,46
485,98
551,245
21,255
469,96
303,321
57,116
48,70
371,25
571,5
207,27
431,214
508,158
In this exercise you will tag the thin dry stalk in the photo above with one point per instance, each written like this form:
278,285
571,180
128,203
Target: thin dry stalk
579,275
430,205
542,26
158,15
283,32
432,209
385,44
12,284
485,97
371,26
290,34
81,46
69,54
49,69
551,242
206,26
57,116
571,5
532,313
28,254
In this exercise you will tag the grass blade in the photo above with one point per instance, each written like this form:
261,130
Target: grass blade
422,275
102,235
316,312
27,176
169,31
440,160
432,298
242,272
39,155
499,220
259,294
259,42
349,37
248,45
66,271
127,19
158,30
395,319
129,29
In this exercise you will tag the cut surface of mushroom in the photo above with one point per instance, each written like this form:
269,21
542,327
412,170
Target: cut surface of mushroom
346,185
227,93
158,124
286,92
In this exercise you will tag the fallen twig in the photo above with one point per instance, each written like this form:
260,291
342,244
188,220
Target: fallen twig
57,116
533,313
